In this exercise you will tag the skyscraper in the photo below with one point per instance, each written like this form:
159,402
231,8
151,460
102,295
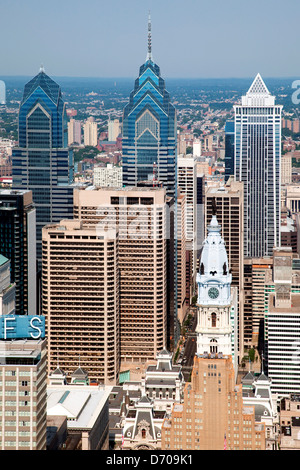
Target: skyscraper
18,244
149,129
81,299
257,153
22,372
229,149
42,161
140,216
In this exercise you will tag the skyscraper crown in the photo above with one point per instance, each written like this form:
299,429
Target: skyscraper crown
258,94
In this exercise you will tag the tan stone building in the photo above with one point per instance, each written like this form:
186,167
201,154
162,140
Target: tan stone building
212,415
23,394
140,215
80,281
290,422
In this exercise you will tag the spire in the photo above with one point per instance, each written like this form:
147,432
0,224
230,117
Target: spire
149,55
42,68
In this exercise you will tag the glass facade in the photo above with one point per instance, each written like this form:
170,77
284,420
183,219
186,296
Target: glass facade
229,149
257,154
42,162
149,132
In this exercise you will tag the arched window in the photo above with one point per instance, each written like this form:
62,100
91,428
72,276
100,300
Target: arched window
213,319
213,346
143,433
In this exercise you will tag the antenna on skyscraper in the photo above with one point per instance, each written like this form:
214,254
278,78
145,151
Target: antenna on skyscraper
149,55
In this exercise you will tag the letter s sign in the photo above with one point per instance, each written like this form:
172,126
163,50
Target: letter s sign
38,335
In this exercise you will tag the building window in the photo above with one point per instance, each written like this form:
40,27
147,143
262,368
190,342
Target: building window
213,320
213,346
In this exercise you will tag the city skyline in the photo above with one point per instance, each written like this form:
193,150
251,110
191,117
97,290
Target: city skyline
207,40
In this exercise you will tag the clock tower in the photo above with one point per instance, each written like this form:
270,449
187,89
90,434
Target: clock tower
214,303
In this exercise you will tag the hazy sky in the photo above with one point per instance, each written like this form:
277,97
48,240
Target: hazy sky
190,38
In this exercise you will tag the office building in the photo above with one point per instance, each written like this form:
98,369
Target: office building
255,271
86,410
22,373
212,415
80,284
18,244
227,202
187,182
23,379
7,289
74,132
229,149
108,175
140,215
149,129
182,300
281,323
257,159
290,422
42,162
90,132
286,169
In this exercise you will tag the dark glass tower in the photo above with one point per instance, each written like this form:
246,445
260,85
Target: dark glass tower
18,244
149,130
229,149
42,162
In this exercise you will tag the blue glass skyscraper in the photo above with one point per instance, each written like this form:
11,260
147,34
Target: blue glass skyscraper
149,148
149,130
42,161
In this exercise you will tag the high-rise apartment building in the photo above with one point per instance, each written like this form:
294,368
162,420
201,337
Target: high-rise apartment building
227,202
149,129
90,132
140,215
114,129
74,132
42,162
257,158
80,285
18,244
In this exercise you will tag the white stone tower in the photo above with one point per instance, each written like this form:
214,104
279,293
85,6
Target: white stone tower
214,327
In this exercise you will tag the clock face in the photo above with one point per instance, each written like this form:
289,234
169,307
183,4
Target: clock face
213,292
